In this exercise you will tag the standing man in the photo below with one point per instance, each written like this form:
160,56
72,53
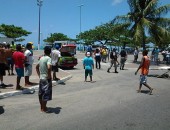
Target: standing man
144,66
9,53
2,65
43,69
97,57
136,52
13,46
19,60
113,60
123,57
55,57
28,64
88,64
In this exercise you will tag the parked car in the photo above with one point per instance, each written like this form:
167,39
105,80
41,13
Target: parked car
68,58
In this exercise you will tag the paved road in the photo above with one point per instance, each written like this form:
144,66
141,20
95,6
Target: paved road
110,103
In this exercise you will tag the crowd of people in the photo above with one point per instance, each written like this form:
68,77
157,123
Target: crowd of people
88,64
14,55
101,55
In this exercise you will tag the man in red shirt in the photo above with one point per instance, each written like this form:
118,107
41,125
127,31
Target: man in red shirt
19,60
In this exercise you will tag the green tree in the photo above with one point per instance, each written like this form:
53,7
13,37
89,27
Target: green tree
146,18
14,32
56,37
105,33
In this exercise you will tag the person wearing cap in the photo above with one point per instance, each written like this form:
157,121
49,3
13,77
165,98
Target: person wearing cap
88,64
55,57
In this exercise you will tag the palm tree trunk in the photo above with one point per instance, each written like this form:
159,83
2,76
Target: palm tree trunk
144,41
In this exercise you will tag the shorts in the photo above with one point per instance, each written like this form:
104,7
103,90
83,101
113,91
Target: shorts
143,79
10,62
20,72
28,70
55,68
88,72
45,89
2,69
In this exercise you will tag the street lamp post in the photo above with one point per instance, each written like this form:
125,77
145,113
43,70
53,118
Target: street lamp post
80,6
39,3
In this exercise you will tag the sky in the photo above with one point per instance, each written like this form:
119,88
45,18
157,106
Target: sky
61,16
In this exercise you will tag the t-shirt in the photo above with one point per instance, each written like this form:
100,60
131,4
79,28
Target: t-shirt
123,53
55,54
29,57
43,68
13,46
88,62
18,58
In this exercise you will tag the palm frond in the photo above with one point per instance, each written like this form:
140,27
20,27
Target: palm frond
149,7
162,10
122,18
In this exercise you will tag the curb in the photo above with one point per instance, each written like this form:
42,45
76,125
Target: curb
31,90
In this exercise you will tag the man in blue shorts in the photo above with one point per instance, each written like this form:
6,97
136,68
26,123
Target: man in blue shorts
43,69
19,60
88,64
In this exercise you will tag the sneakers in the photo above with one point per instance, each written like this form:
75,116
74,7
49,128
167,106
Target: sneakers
108,71
116,72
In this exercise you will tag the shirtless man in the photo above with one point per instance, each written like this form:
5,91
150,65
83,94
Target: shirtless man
2,65
10,62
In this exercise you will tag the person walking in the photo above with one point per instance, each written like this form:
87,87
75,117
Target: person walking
144,67
19,61
113,60
43,69
123,58
28,64
55,57
88,64
97,58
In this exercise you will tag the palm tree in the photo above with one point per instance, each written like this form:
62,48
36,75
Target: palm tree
145,18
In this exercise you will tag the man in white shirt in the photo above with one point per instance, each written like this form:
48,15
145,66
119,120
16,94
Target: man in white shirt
28,64
55,57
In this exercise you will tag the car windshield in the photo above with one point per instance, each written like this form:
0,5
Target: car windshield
66,54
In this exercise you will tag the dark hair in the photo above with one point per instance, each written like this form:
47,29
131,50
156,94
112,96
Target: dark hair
28,45
47,50
8,45
145,52
97,50
18,47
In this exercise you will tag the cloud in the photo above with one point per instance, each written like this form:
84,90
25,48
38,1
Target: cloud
115,2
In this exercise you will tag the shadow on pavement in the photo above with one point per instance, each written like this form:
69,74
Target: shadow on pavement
1,110
54,110
145,91
10,85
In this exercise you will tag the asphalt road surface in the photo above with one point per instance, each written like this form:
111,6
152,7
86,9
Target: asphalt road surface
109,103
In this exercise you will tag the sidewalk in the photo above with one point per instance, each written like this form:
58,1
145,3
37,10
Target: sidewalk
10,80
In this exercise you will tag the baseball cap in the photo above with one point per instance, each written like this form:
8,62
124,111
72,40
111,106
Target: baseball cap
88,54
